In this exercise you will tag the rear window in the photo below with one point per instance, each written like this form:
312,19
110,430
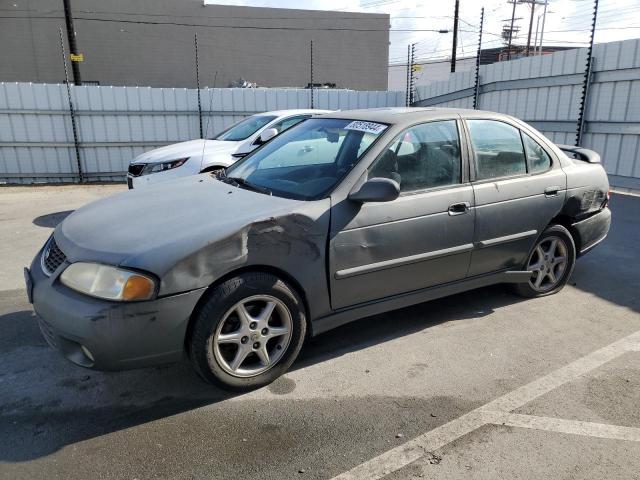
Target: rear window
497,148
538,159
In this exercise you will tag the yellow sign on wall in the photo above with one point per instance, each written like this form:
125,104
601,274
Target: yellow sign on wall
77,57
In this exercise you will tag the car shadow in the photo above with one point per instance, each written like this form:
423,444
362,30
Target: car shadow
53,403
611,271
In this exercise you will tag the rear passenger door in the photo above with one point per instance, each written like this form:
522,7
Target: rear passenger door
518,186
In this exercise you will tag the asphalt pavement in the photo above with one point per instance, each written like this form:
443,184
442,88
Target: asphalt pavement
479,385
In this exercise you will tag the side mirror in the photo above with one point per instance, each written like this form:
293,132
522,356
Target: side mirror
267,135
376,190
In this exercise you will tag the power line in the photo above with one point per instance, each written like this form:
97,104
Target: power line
330,17
241,27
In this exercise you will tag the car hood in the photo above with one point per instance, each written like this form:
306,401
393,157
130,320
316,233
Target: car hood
155,228
192,148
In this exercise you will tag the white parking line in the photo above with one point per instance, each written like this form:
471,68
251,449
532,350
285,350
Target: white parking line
497,411
573,427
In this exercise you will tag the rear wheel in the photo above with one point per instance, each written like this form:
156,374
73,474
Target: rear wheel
248,333
551,261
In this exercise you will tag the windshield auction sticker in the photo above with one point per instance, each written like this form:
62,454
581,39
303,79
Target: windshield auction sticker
367,127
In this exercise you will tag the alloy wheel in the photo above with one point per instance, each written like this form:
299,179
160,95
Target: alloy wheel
548,263
253,336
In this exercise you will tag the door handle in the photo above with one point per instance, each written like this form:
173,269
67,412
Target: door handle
459,208
551,191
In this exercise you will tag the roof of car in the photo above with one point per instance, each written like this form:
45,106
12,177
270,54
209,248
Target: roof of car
295,111
399,115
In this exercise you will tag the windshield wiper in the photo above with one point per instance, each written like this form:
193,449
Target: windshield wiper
241,182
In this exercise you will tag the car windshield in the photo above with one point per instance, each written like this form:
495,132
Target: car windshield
307,161
244,128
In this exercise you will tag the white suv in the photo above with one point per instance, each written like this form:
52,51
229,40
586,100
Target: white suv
206,155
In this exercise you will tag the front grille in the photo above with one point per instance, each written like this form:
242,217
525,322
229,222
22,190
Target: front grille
136,169
52,257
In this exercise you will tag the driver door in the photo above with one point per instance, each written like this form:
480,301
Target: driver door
423,238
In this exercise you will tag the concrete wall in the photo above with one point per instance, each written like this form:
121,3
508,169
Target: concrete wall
115,124
263,45
545,91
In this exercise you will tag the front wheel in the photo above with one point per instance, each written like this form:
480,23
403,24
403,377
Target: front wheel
551,261
214,171
248,332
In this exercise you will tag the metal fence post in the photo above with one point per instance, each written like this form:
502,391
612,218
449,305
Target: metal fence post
587,78
476,90
311,71
406,98
411,76
195,40
76,143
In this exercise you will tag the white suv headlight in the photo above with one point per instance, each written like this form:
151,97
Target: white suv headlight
163,166
107,282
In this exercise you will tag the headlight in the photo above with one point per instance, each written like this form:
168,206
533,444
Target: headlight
161,167
107,282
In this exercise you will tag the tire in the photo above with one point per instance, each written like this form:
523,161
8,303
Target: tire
542,261
212,170
248,332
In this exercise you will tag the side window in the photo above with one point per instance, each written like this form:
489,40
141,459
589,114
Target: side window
497,149
538,159
282,125
424,156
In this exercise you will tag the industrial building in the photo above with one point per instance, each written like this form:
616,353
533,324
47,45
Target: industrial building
151,43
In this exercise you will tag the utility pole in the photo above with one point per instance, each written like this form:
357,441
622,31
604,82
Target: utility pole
535,39
544,18
587,78
195,40
533,4
455,36
533,8
513,17
71,38
476,91
72,112
311,71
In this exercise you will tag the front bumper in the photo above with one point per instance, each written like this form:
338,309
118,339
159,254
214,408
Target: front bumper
592,230
106,335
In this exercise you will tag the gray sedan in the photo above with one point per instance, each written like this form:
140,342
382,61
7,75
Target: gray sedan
341,217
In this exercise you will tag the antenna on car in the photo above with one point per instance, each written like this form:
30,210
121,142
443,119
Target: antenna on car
206,129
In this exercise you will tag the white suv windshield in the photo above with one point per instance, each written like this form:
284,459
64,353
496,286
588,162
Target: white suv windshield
245,128
307,160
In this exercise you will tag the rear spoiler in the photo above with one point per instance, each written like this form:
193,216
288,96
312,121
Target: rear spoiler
581,153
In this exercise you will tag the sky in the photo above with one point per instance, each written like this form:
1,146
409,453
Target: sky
567,22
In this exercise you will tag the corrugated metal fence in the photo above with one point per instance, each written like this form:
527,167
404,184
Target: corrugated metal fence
117,123
546,91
